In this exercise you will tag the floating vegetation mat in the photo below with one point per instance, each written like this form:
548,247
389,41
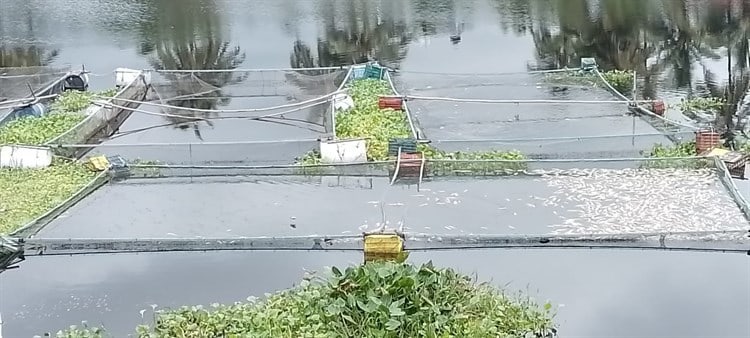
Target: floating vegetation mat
26,194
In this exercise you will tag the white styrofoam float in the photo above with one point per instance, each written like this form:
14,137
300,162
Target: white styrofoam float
344,151
125,76
25,157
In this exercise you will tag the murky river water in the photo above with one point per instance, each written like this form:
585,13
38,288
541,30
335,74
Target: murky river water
605,293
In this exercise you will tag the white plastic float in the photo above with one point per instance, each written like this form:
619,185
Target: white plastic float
344,151
25,157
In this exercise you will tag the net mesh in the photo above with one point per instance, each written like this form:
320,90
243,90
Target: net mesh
434,169
574,115
15,81
229,112
101,120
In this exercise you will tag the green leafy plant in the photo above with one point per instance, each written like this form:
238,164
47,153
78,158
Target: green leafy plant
664,153
695,105
490,163
82,331
38,130
65,113
367,120
378,299
620,80
28,193
379,126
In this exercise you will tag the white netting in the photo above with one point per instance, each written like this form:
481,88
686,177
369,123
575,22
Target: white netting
15,81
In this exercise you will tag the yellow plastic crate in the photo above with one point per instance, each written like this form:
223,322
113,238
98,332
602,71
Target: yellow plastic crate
383,247
97,163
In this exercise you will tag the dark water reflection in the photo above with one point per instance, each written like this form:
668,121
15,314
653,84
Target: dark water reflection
678,47
600,293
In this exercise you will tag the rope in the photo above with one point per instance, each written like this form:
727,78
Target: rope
245,70
247,110
284,166
449,99
542,139
489,74
106,105
406,109
398,166
173,144
618,159
4,104
646,110
29,75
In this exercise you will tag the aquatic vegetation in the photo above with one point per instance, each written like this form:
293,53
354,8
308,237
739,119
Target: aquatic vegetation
379,299
379,126
685,149
38,130
65,113
367,120
492,162
82,331
29,193
620,80
704,108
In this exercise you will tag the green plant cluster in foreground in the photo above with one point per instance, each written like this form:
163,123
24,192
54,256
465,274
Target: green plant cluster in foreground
380,299
65,113
379,126
26,194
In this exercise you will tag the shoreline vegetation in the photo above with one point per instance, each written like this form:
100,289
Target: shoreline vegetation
377,299
26,194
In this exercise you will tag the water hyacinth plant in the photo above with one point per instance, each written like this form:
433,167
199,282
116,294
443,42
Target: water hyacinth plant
29,193
65,113
685,149
26,194
379,299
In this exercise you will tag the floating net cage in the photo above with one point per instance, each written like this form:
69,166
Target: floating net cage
15,81
231,90
569,114
105,119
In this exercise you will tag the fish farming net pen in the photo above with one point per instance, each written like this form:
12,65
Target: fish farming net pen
728,242
435,168
271,152
542,104
205,93
15,81
35,226
101,120
591,145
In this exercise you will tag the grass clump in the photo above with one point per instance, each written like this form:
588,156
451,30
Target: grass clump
380,299
65,113
29,193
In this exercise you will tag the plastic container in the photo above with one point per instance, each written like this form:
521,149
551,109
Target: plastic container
706,140
392,102
407,145
658,107
374,72
32,110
